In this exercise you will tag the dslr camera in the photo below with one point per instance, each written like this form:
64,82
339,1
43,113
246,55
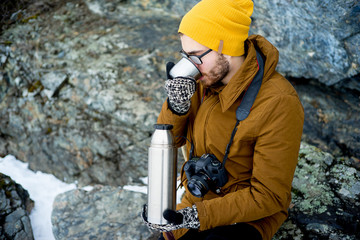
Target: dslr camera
204,174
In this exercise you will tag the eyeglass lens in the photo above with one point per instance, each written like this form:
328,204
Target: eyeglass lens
194,58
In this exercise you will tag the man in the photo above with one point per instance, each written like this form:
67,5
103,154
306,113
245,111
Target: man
262,147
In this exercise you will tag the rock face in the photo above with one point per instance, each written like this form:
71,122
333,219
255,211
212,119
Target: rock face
103,213
81,84
325,198
15,207
316,39
332,120
82,105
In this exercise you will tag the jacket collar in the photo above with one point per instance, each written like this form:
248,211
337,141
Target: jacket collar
243,77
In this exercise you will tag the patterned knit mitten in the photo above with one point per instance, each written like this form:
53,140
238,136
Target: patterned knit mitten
184,218
180,91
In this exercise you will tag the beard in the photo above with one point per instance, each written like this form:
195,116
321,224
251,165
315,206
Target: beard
217,74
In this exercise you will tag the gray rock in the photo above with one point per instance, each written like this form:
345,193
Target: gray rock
107,90
321,209
103,213
346,180
316,39
15,207
52,83
310,182
332,119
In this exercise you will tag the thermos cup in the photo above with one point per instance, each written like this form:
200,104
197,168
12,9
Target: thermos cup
185,68
162,162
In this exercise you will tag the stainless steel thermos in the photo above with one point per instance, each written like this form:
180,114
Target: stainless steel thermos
162,171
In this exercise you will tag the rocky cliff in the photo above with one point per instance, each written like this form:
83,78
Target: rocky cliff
81,85
317,39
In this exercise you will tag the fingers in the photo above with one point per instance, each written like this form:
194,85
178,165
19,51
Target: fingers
173,216
169,66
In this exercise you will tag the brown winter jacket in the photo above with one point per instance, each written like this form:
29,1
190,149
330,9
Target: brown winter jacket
264,154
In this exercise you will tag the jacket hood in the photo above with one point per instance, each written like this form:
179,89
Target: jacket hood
246,73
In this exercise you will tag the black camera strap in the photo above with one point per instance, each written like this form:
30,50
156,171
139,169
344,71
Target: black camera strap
243,111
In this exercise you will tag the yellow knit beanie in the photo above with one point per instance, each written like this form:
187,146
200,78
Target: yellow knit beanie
213,21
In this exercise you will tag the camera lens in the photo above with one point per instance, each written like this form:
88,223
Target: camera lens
195,189
198,186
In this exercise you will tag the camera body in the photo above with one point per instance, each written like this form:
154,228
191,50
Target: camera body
204,174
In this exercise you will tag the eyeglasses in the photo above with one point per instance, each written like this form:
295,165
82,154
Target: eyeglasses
194,58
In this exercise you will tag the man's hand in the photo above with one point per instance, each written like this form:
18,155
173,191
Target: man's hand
184,218
180,91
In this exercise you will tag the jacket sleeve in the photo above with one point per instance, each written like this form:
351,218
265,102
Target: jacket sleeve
179,122
274,161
